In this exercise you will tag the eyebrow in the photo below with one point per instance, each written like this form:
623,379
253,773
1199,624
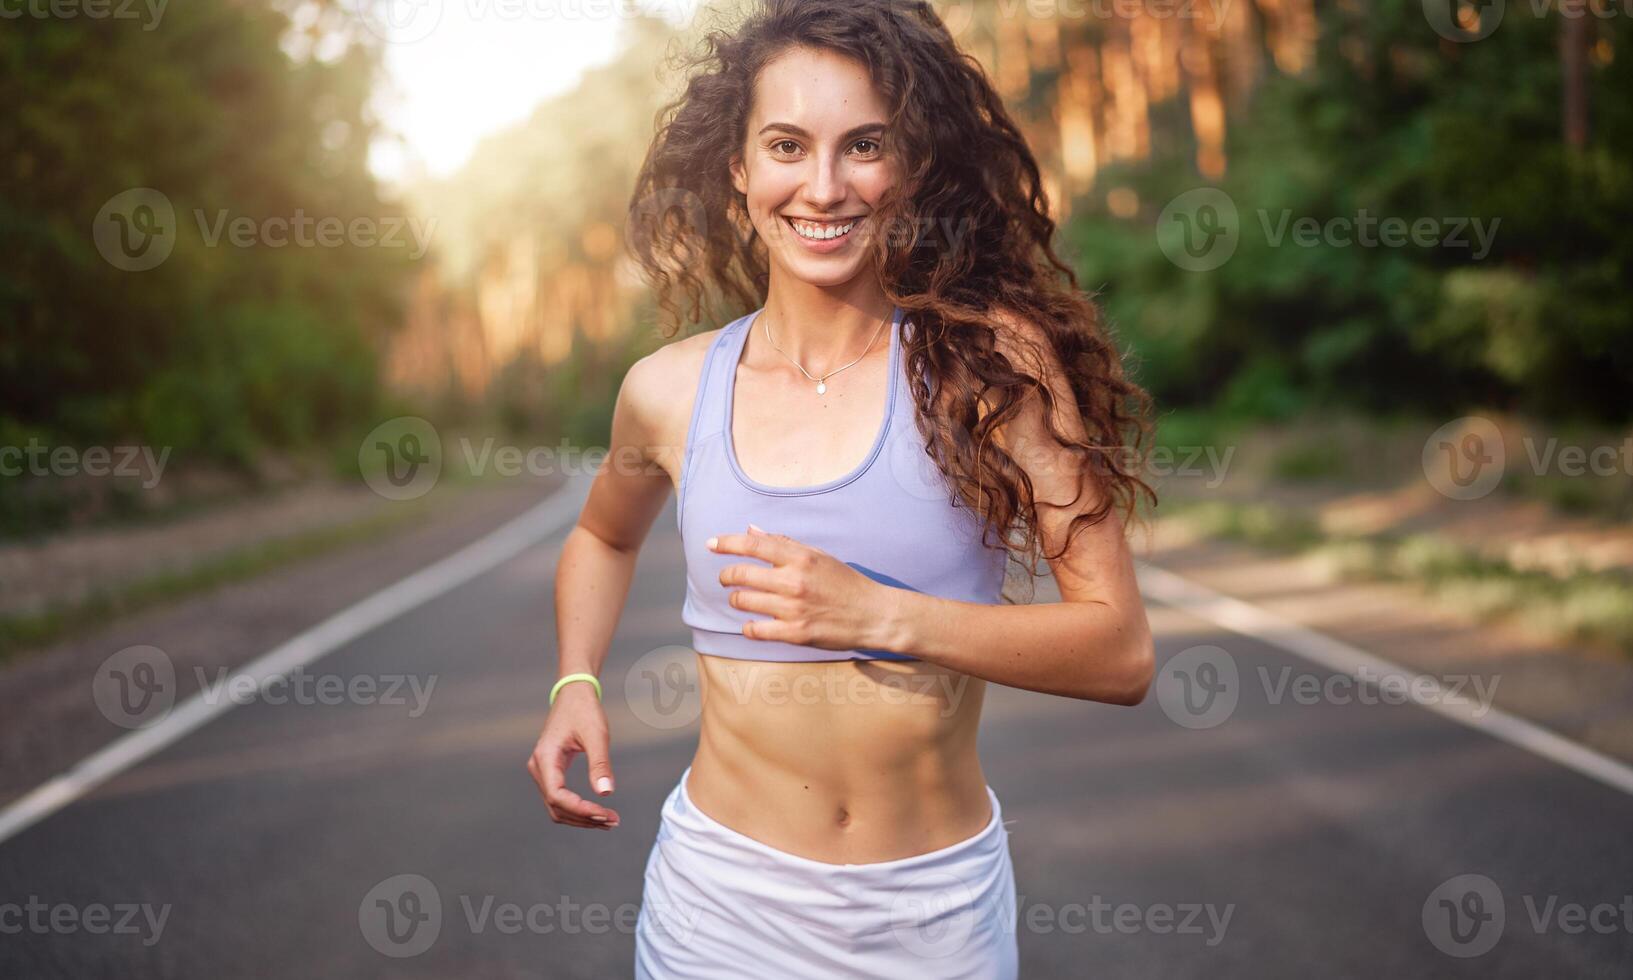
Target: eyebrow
849,134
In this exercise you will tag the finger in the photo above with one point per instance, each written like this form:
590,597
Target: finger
537,772
754,577
762,546
565,801
751,600
770,629
598,757
757,529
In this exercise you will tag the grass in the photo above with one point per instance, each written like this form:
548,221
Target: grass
20,634
1584,605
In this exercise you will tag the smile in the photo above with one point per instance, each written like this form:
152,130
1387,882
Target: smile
822,231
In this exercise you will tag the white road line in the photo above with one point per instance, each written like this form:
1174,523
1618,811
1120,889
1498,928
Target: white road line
1261,624
446,574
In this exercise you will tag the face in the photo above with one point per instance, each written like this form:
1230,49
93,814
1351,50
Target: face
812,164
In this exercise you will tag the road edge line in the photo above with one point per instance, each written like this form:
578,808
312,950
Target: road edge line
444,575
1261,624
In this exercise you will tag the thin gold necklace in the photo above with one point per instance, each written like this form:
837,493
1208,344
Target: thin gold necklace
822,382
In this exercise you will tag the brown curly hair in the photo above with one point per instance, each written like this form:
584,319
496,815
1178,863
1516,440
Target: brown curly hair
962,155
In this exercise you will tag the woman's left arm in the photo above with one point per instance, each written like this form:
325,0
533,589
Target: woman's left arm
1095,645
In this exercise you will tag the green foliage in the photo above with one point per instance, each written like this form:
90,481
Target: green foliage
1393,122
221,350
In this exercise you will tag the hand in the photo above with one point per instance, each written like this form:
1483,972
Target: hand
815,599
576,724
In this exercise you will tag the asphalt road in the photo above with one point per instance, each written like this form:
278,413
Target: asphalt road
1286,837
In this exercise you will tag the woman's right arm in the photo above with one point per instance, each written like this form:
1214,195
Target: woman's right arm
592,584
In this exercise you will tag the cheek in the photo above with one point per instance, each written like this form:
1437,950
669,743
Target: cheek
873,183
769,188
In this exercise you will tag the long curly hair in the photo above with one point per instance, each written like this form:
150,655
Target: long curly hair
965,165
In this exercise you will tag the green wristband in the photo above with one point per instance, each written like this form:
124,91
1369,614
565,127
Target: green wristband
575,677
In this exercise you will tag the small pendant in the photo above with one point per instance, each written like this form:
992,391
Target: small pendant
822,387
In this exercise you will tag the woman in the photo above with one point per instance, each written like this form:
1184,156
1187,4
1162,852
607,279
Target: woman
917,394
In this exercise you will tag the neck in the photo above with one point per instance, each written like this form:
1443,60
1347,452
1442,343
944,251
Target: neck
825,329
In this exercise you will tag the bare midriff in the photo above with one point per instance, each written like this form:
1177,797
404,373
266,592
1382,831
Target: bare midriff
844,762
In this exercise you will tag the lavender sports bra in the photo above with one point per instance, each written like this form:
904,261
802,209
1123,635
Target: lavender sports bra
890,518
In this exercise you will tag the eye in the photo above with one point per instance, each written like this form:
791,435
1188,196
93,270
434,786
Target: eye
868,141
777,146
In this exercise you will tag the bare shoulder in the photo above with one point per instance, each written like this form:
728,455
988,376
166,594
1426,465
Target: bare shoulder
660,389
1027,347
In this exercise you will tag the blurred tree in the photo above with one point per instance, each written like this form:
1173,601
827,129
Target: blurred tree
221,349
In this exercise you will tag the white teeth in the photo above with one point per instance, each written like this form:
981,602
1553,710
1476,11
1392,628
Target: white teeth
821,232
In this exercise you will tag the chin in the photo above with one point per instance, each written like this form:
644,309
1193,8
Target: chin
822,273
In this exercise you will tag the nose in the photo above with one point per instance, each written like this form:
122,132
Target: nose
825,187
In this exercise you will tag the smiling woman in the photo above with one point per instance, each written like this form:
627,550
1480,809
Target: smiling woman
861,453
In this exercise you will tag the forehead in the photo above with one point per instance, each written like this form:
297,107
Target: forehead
817,89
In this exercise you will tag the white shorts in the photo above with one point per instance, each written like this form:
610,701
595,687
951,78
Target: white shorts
720,905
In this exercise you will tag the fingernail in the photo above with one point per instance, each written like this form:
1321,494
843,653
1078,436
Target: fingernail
756,527
710,542
598,818
604,785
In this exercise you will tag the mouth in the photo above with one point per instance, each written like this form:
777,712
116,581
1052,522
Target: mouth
824,232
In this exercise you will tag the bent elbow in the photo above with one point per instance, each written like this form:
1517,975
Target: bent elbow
1139,669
